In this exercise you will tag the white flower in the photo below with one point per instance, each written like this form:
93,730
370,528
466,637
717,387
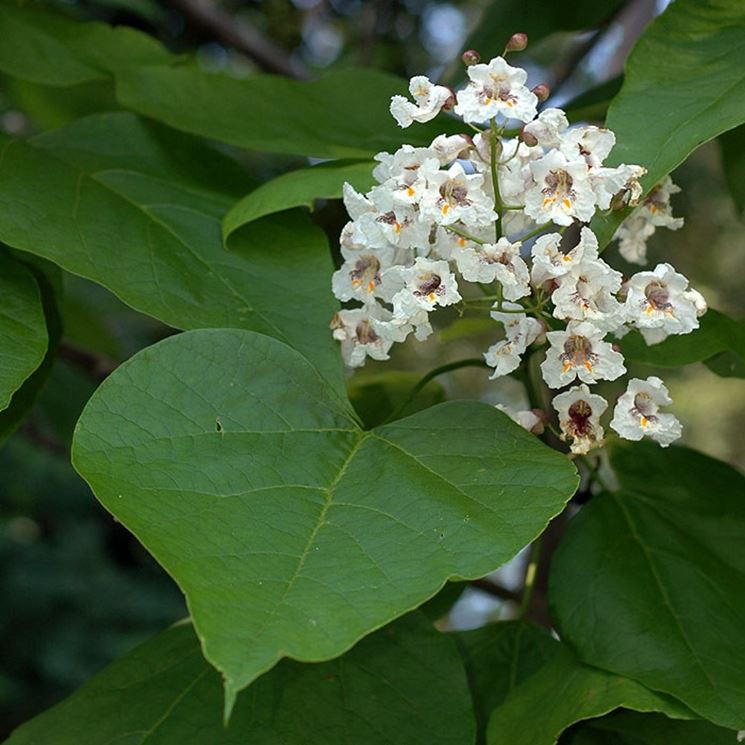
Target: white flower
450,147
637,413
454,196
527,419
429,100
591,143
585,292
546,128
562,190
359,277
494,89
405,172
360,335
660,299
580,352
423,286
655,211
579,418
355,203
608,182
551,263
500,260
520,332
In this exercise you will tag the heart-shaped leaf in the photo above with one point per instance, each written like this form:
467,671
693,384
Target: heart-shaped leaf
404,685
23,330
291,531
649,582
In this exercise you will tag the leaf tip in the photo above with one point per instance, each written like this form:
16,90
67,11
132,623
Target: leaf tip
231,693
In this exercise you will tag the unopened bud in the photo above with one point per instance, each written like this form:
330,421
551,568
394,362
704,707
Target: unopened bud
542,91
539,427
517,43
450,102
620,201
471,57
529,139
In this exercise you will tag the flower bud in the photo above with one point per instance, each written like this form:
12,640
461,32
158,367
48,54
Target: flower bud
539,427
542,91
471,57
517,43
529,139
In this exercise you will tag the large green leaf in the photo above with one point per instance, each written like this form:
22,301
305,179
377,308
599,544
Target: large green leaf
717,334
291,531
572,692
53,50
404,686
138,209
632,728
23,330
342,115
683,86
298,189
649,582
498,657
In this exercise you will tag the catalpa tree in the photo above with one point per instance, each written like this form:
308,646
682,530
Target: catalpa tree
322,524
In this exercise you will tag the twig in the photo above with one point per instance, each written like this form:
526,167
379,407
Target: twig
492,588
232,32
95,366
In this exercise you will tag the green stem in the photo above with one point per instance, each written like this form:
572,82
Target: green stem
537,230
495,179
528,587
464,234
431,375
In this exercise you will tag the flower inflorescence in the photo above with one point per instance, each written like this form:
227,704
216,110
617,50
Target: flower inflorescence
493,208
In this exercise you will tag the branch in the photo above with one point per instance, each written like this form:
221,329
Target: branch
492,588
232,32
95,366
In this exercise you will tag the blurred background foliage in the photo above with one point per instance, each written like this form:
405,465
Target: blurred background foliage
77,589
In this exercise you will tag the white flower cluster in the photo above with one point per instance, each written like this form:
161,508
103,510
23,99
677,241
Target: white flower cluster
483,208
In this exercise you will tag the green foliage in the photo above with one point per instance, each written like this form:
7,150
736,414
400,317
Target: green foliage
683,82
23,330
576,692
241,470
403,685
324,118
298,189
139,212
46,281
631,728
647,582
716,334
498,657
300,513
52,50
